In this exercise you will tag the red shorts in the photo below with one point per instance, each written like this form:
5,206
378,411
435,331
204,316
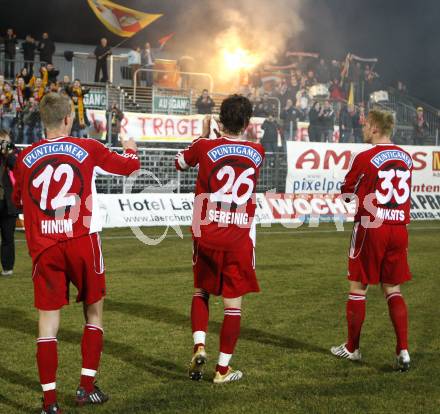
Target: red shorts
225,273
379,255
77,260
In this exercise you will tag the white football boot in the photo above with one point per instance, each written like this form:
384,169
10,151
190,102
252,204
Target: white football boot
403,361
341,351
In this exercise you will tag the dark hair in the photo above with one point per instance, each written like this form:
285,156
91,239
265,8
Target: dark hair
235,113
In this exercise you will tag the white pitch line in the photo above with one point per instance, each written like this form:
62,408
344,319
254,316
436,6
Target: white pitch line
291,233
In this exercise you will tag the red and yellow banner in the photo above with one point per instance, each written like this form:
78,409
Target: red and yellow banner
121,20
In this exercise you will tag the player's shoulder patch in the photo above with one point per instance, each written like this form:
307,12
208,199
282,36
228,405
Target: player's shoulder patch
235,149
392,154
55,148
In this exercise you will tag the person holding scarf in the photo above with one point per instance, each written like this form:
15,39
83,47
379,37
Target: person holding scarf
77,93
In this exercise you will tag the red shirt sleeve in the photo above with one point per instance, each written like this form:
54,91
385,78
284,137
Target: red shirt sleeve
111,162
189,157
354,176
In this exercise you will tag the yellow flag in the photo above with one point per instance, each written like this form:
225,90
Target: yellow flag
121,20
351,95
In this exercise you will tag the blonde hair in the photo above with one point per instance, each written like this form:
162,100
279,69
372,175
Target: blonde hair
383,121
54,107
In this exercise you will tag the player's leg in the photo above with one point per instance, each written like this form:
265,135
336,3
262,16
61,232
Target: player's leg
199,317
47,357
199,324
91,349
228,339
399,317
355,314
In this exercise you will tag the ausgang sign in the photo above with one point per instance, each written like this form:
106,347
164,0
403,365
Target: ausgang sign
171,104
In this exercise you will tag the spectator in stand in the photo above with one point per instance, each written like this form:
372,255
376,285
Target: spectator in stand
310,79
38,89
258,110
315,122
420,127
303,99
28,47
290,116
25,75
147,60
358,124
81,122
322,72
204,103
31,122
354,77
116,116
134,61
52,73
327,121
8,211
348,121
270,136
10,44
292,89
336,92
102,52
335,70
371,82
65,84
7,107
268,104
46,47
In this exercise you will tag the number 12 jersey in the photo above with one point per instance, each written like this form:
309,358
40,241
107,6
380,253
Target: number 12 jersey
55,184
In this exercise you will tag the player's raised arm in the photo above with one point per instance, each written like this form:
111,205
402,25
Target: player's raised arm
110,162
189,157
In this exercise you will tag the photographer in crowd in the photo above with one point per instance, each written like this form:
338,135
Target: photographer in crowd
115,115
8,212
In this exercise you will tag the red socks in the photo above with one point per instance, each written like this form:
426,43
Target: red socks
355,318
399,317
47,361
91,348
228,338
199,317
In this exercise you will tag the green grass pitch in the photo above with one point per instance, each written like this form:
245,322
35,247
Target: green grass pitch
283,350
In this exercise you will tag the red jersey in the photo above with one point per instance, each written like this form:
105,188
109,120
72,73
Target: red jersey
55,184
381,179
225,204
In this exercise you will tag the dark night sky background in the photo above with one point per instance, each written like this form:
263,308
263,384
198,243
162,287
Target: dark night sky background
403,34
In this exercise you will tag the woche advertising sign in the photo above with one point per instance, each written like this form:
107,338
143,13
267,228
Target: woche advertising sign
317,168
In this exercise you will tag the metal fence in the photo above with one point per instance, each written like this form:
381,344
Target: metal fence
159,174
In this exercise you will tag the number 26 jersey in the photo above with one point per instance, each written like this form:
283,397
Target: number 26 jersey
381,179
225,202
55,185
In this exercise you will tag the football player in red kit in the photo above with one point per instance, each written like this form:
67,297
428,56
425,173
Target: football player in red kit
380,178
223,230
55,185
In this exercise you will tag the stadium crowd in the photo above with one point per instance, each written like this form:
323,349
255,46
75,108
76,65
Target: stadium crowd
302,88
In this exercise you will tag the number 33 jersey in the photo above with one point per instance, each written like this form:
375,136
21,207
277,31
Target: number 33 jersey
225,202
381,179
55,185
